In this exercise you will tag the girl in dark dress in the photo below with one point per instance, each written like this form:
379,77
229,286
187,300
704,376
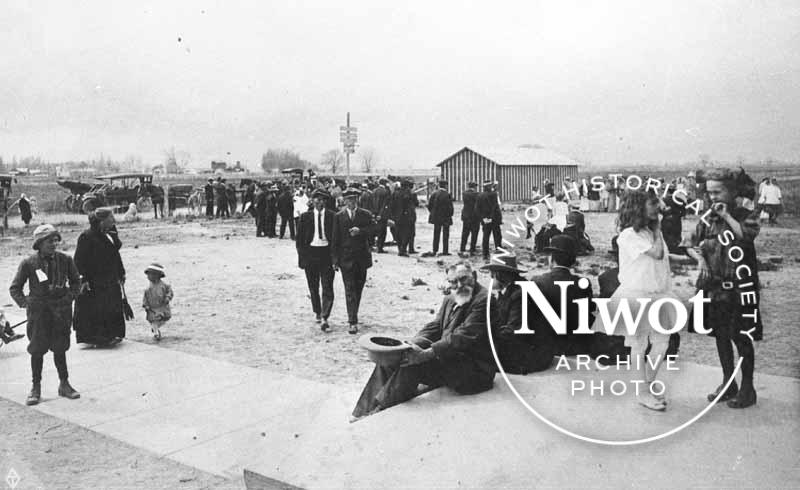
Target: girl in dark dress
732,285
99,317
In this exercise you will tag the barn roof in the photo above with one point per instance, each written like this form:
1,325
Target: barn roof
521,155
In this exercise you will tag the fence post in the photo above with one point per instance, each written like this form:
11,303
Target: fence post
166,201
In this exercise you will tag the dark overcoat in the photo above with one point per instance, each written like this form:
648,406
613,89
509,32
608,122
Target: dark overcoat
52,285
98,311
347,250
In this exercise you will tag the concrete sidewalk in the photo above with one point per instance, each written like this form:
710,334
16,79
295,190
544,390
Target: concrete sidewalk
221,417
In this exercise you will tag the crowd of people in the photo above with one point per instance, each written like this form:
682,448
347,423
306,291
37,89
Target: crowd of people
337,227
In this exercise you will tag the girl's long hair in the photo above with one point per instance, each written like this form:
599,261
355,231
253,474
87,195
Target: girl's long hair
633,210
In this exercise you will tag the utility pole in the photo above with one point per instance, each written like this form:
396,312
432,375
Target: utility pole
348,136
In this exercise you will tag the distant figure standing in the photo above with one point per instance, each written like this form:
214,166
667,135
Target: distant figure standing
208,190
25,209
156,299
470,221
440,209
220,194
272,210
401,215
380,209
301,205
285,205
771,199
488,209
230,197
260,207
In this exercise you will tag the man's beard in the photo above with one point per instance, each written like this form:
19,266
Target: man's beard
462,295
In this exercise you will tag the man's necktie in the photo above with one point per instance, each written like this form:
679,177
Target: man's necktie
319,226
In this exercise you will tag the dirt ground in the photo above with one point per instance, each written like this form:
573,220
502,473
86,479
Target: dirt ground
243,299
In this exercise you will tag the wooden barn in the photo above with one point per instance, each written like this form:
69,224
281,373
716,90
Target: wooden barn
517,170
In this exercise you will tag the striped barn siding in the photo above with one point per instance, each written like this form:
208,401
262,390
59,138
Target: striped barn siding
515,181
465,166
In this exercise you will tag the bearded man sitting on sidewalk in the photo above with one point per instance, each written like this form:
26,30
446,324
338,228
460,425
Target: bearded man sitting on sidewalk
453,350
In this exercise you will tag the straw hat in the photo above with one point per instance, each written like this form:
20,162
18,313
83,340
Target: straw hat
155,267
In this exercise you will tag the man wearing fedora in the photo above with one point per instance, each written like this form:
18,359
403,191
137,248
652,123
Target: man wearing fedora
517,353
260,207
53,282
453,350
350,251
491,216
314,235
563,253
440,215
470,222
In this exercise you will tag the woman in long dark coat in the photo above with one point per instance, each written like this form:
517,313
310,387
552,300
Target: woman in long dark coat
99,317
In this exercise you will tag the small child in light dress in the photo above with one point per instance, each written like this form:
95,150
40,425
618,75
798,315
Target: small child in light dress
156,299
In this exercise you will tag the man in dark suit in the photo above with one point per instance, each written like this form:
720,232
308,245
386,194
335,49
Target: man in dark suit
453,350
272,210
285,205
314,234
562,251
402,216
518,353
440,215
350,251
260,207
469,218
380,209
208,190
487,207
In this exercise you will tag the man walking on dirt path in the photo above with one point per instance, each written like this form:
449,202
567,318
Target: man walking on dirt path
350,252
314,232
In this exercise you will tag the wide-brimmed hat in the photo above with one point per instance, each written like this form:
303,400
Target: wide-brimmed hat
472,183
351,192
43,232
562,243
384,349
155,267
488,183
442,183
503,262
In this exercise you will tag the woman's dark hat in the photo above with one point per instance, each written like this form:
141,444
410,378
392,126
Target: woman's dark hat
562,243
503,262
384,349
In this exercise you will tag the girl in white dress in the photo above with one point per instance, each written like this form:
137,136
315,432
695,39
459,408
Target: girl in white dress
644,273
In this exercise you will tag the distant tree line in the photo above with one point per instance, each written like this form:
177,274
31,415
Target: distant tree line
280,159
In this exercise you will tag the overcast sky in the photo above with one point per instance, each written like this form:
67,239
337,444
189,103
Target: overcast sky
603,82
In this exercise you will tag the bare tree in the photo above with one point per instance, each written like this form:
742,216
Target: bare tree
332,159
369,159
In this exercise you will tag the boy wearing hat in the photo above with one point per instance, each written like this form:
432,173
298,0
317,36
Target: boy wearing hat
156,299
53,282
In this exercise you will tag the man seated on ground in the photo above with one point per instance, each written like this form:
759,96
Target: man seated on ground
562,257
517,353
453,350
